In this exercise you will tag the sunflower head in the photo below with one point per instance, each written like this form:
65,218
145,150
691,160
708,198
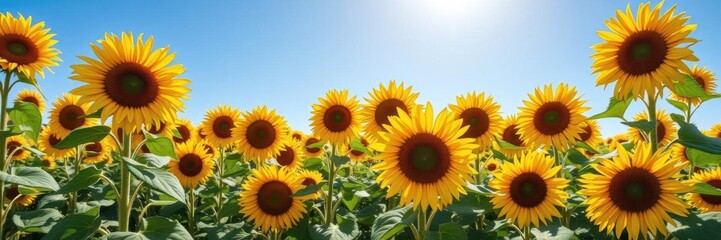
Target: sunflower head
160,129
26,47
219,124
136,86
310,177
424,158
291,155
15,148
480,114
492,165
99,151
643,53
31,96
297,135
47,142
591,133
665,128
185,131
311,152
267,198
678,153
704,78
193,166
634,192
715,131
510,135
704,202
336,119
384,102
47,162
260,134
66,115
22,200
355,155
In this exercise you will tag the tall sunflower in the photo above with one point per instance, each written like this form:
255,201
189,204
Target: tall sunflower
290,155
22,200
14,147
311,152
311,178
665,128
26,47
715,131
219,124
260,133
355,155
528,190
591,133
267,198
47,162
131,82
336,119
98,151
634,192
643,53
47,142
425,159
31,96
703,202
703,77
384,102
194,165
185,129
480,114
510,134
65,115
552,118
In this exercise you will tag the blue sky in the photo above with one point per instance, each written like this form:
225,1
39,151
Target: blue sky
285,54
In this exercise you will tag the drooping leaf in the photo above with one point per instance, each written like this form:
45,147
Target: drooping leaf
691,137
689,88
643,125
33,177
553,231
160,228
392,222
158,179
26,118
84,135
153,160
697,226
77,226
357,145
447,231
706,189
679,105
340,160
346,228
313,164
84,179
507,145
310,189
160,145
616,108
580,144
577,157
41,220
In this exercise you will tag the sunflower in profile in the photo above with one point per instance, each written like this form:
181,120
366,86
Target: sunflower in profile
185,129
634,192
194,165
715,131
199,131
552,118
425,159
480,114
136,86
355,155
311,178
703,202
313,151
209,149
591,134
267,198
66,115
492,165
528,190
297,135
31,96
219,124
48,140
99,151
336,119
678,152
384,102
47,162
260,134
26,47
22,200
160,129
618,140
665,128
704,78
643,53
14,147
510,135
291,155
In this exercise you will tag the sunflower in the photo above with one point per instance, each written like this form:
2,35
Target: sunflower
25,47
311,178
336,118
65,115
704,78
678,152
260,134
528,190
492,165
634,192
311,152
703,202
510,135
425,159
31,96
160,129
715,131
47,162
48,140
591,134
14,147
480,113
199,131
617,140
552,118
209,149
297,135
131,81
645,53
267,198
186,131
355,155
219,124
24,200
97,151
194,165
291,155
665,128
384,102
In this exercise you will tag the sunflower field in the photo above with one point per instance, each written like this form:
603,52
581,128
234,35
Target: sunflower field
113,161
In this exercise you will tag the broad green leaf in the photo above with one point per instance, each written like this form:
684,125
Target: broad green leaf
26,118
689,88
471,204
162,228
691,137
33,177
447,231
84,179
643,125
616,108
580,144
41,220
345,229
77,226
697,226
84,135
340,160
31,81
158,179
498,155
577,157
392,222
706,189
681,106
316,145
230,208
701,158
153,160
553,231
160,145
229,231
357,145
310,189
96,114
125,236
507,145
313,164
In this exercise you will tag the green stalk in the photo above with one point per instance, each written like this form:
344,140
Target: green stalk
191,212
422,226
74,195
3,144
653,136
124,201
221,171
329,214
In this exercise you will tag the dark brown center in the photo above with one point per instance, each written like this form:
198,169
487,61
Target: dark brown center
131,85
157,128
286,156
510,135
69,117
491,167
635,190
308,181
359,153
190,165
260,134
310,141
551,118
222,126
18,49
32,100
297,137
711,199
586,134
477,120
274,198
528,190
12,145
642,53
337,118
424,158
184,133
95,147
53,140
388,108
12,192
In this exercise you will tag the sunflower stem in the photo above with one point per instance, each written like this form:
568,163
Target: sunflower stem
528,235
653,136
74,195
422,226
124,203
3,144
329,198
479,169
191,212
221,169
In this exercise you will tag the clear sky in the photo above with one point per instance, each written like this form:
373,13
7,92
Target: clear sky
285,54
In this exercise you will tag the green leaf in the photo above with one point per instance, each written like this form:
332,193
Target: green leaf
498,155
643,125
310,189
41,220
689,88
554,231
26,118
153,160
702,159
125,236
697,226
580,144
340,160
471,204
31,81
507,145
77,226
357,145
84,179
230,208
228,231
345,229
577,157
681,106
616,108
316,145
162,228
691,137
706,189
313,164
392,222
158,179
450,231
83,135
160,145
96,114
33,177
